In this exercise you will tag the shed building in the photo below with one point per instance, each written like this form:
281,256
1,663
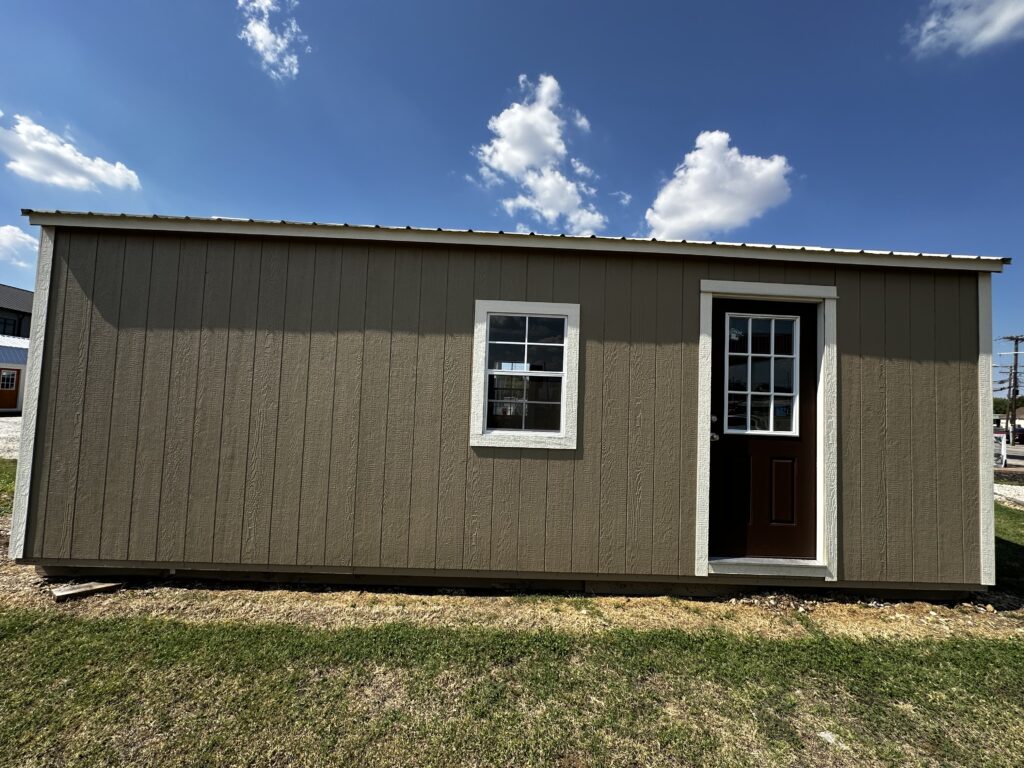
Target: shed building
368,403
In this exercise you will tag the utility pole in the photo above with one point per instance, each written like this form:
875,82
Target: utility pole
1011,416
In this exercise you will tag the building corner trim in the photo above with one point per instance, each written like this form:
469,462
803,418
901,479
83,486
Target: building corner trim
33,372
985,478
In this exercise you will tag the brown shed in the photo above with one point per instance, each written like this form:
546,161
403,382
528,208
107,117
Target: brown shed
380,404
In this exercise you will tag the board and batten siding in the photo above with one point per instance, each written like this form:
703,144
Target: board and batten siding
304,404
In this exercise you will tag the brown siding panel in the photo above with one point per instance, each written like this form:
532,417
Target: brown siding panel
67,423
156,368
273,402
106,302
179,402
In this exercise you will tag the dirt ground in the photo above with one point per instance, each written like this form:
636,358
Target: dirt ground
765,614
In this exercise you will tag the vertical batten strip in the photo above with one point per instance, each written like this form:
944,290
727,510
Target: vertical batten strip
985,500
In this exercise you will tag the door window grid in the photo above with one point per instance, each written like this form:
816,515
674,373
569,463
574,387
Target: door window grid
525,371
761,374
7,379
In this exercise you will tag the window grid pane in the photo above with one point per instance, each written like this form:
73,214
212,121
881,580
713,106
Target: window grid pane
525,369
760,373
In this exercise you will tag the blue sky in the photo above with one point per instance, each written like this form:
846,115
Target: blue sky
878,124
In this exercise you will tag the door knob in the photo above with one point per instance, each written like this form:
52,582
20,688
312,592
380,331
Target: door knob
714,436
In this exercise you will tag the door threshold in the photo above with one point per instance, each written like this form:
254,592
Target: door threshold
767,566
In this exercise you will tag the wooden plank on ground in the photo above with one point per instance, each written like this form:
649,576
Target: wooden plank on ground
64,592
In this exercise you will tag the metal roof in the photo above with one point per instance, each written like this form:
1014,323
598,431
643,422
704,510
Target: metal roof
17,299
13,350
222,225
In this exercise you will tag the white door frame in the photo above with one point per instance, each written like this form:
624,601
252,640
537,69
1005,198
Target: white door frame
827,471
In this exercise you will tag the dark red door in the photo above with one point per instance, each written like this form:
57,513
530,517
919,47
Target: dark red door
763,382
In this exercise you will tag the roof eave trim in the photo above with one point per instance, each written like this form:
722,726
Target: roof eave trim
508,240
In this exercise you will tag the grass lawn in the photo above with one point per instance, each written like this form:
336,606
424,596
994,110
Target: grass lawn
84,689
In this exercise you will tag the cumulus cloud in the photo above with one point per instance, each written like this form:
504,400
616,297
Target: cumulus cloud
39,154
17,247
529,149
716,189
580,168
276,46
967,26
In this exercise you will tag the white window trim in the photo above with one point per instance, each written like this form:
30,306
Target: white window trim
479,435
795,394
825,564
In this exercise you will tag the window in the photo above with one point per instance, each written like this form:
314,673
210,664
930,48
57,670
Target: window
762,374
525,360
8,379
8,326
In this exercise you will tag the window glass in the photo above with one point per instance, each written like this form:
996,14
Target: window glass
7,379
519,345
761,374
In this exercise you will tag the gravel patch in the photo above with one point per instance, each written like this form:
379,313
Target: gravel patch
1010,494
10,436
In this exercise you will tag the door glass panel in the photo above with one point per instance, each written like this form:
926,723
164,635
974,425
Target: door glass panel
738,373
783,414
761,374
783,337
761,336
783,374
762,369
737,418
760,413
738,334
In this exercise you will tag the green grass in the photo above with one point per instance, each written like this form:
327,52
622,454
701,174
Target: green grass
153,692
1010,549
8,467
147,691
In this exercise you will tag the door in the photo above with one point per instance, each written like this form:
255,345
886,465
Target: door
9,381
764,379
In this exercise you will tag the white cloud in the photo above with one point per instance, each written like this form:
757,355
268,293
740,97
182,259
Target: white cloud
275,46
39,154
581,121
528,148
17,247
624,198
581,169
967,26
716,189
